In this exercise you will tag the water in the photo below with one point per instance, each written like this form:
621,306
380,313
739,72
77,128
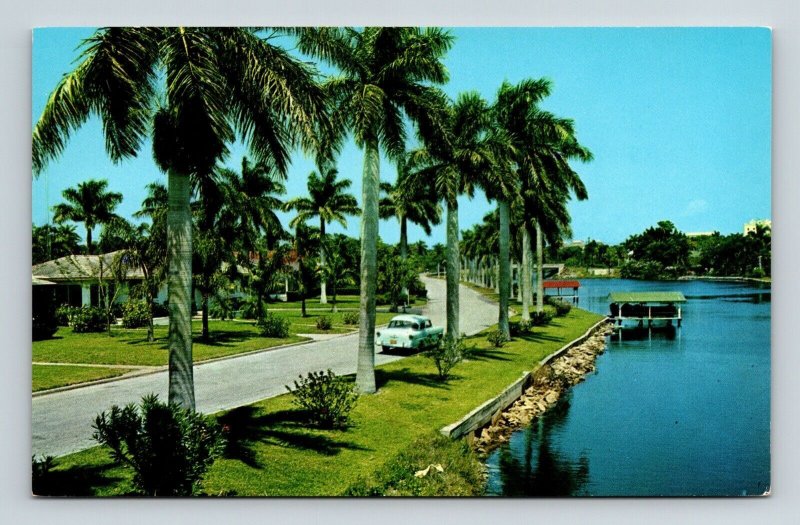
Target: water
672,414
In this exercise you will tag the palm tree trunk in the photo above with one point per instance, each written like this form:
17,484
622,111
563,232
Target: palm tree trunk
453,269
505,269
88,240
404,246
370,189
323,296
525,272
539,269
204,333
179,291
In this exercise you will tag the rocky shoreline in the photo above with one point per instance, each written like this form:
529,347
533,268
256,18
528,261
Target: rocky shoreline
549,382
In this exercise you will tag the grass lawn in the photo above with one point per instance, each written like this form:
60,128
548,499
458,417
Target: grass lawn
308,324
52,376
343,302
130,346
273,452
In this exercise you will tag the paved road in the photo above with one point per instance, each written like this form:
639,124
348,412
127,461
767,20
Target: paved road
61,422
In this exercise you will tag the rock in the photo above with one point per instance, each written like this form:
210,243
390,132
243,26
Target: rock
551,397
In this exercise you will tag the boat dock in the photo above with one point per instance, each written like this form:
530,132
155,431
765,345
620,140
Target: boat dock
654,308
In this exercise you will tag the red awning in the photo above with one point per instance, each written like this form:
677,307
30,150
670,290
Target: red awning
562,284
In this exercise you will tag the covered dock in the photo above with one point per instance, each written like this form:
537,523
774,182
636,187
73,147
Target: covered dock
562,289
650,307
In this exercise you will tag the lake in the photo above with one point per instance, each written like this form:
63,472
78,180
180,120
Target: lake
668,413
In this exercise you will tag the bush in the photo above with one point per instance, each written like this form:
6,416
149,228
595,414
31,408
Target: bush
326,398
496,338
324,322
562,307
541,318
41,477
248,309
88,319
350,318
221,308
758,273
64,314
520,328
135,314
273,326
447,354
169,448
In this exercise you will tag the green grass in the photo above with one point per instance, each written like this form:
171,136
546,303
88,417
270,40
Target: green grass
343,302
52,376
307,325
273,452
130,346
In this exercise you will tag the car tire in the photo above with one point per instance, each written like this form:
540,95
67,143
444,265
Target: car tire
385,348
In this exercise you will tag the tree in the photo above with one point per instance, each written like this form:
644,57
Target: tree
328,201
337,269
51,242
385,72
89,203
218,82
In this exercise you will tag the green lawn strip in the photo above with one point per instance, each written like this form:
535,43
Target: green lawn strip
130,346
307,325
343,302
273,452
54,376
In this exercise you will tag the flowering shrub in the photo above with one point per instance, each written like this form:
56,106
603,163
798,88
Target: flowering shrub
327,399
169,448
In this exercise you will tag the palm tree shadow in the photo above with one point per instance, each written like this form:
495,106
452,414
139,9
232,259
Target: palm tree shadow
487,354
247,426
80,480
405,375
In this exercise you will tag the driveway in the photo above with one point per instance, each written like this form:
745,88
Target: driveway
61,422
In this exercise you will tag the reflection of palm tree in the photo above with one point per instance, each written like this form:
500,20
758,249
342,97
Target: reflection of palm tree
89,203
213,89
542,470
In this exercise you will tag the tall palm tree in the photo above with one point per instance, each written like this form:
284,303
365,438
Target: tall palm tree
544,145
51,242
458,161
218,83
385,72
411,199
89,203
327,200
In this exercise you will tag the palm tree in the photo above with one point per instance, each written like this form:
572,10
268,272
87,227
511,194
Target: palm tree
457,161
51,242
89,203
327,200
543,144
412,199
385,73
218,83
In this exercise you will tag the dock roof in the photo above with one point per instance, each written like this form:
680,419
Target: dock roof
646,297
561,284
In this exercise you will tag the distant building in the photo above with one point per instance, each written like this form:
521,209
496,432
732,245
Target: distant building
699,234
750,227
574,244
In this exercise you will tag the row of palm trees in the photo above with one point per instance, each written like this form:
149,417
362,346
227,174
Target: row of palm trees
220,84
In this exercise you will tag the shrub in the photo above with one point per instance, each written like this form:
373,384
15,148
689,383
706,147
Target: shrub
64,313
496,338
562,307
326,398
758,273
248,309
135,314
41,478
541,318
88,319
273,326
220,308
350,318
324,322
446,355
169,448
520,328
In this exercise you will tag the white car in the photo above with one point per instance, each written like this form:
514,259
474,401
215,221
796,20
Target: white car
409,331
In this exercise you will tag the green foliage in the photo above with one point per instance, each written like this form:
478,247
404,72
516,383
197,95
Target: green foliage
350,318
324,322
543,317
135,314
271,325
447,354
394,274
327,399
169,448
645,270
461,474
562,307
64,313
496,338
88,319
221,308
41,479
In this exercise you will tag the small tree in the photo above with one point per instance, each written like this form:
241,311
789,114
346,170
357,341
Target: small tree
169,448
447,354
394,277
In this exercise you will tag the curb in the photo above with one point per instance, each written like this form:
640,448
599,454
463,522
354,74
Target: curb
487,411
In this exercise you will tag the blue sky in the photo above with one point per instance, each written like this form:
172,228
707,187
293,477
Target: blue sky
678,119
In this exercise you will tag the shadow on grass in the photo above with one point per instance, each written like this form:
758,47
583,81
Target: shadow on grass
488,354
215,338
79,481
247,426
405,375
537,336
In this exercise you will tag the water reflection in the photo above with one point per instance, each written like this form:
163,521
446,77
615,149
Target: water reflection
541,470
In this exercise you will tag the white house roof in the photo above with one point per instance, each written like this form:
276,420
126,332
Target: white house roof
78,268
